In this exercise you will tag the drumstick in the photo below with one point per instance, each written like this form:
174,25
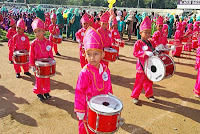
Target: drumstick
115,107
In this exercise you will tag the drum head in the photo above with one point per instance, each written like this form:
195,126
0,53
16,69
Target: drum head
45,62
106,104
154,68
112,50
57,36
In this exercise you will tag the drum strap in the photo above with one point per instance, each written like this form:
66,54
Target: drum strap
149,44
141,65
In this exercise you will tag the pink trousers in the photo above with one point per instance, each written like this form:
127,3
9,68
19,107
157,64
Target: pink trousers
55,47
196,89
42,85
83,60
10,54
83,128
140,82
18,68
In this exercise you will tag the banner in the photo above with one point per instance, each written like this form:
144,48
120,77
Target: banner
189,2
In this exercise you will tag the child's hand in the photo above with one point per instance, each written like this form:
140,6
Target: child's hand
80,115
148,53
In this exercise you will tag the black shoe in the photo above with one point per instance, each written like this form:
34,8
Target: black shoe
40,97
47,96
18,75
152,99
58,54
11,62
27,73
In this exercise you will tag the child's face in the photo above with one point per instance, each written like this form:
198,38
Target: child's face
115,26
53,20
166,31
104,25
94,57
121,18
159,27
146,34
20,30
85,25
39,33
13,26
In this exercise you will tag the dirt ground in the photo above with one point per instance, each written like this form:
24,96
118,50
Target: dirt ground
176,110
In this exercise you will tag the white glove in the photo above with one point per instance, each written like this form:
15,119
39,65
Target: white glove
148,53
173,48
80,115
33,68
160,47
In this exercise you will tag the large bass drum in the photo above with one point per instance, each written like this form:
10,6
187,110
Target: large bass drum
159,67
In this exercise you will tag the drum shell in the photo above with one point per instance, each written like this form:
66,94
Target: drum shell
45,71
119,43
57,39
21,57
110,55
102,121
169,66
106,123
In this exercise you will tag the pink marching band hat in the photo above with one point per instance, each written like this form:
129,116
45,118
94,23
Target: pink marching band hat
114,22
53,16
146,24
105,17
184,23
92,40
85,18
159,21
21,23
12,21
37,23
165,26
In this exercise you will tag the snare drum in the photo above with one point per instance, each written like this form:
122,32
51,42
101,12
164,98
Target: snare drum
20,57
45,67
119,42
57,39
159,67
104,113
110,54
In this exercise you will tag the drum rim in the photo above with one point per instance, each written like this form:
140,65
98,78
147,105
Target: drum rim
45,76
110,48
104,113
45,65
16,52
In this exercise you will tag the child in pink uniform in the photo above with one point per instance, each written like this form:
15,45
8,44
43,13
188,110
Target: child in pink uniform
188,36
178,36
142,51
54,30
159,37
104,32
115,35
196,89
94,78
40,48
79,38
196,30
21,42
11,32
